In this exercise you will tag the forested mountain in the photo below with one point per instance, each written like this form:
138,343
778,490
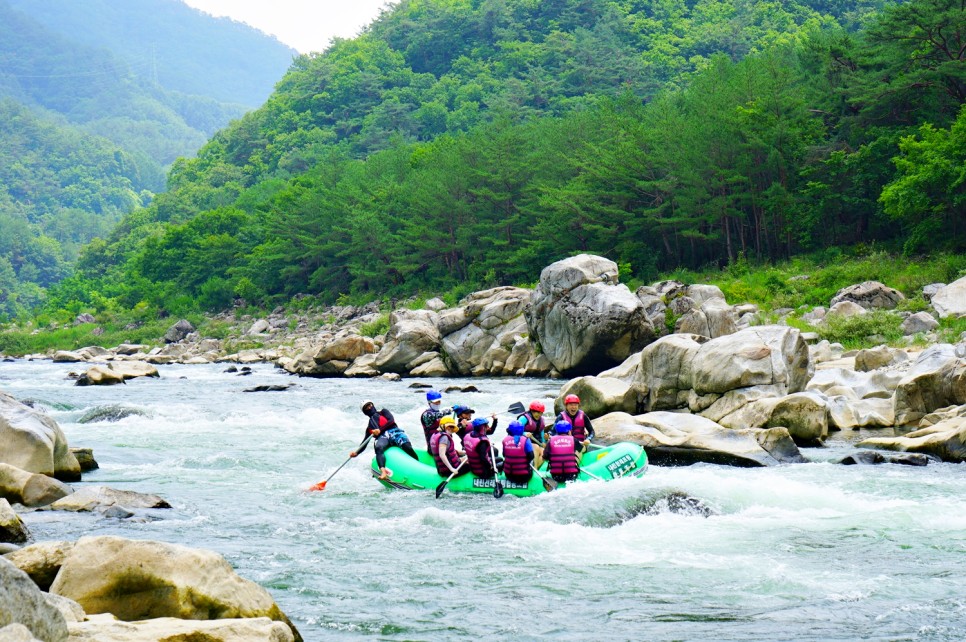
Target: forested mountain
86,136
466,143
173,45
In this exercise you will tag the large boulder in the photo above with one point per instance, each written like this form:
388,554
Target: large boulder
41,561
104,628
139,580
30,489
100,376
178,331
804,414
134,369
875,384
344,347
666,370
672,438
489,324
12,528
935,380
21,602
601,395
411,333
32,441
584,319
761,355
945,440
950,300
871,295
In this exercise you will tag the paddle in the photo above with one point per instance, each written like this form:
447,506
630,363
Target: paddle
442,487
321,484
516,408
497,484
549,483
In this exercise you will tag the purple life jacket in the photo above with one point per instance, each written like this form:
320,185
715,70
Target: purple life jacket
578,429
515,461
563,458
451,454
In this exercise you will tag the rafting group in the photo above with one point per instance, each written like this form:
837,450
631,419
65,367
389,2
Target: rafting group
534,456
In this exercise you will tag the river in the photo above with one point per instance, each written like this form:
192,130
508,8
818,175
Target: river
813,551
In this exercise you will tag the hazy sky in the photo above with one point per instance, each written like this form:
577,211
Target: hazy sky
306,25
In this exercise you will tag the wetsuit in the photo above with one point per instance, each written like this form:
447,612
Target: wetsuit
389,435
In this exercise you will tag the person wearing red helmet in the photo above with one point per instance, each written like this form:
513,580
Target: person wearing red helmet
534,427
581,428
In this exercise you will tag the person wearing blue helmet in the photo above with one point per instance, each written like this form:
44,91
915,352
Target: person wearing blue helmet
562,453
479,450
518,454
431,416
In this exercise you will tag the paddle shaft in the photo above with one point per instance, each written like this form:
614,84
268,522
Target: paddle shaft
442,487
321,485
549,483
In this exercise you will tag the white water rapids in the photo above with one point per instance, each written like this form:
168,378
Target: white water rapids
814,551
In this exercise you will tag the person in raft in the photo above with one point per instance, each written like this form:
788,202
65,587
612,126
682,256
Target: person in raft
518,454
442,447
561,453
382,426
533,421
464,419
535,427
431,416
479,449
581,428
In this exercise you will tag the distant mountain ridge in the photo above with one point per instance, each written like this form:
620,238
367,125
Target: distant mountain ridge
167,42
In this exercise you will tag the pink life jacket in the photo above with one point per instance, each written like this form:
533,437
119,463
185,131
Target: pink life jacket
451,454
532,426
478,465
579,429
563,459
515,461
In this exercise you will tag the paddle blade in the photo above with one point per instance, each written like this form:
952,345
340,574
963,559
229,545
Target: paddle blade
498,489
441,488
319,486
547,486
516,408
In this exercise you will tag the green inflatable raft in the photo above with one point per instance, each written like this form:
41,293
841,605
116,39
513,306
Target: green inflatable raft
623,459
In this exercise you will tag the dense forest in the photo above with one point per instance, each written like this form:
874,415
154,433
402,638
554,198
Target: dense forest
469,143
87,131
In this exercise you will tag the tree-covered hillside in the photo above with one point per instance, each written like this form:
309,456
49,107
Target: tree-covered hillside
59,188
172,45
466,143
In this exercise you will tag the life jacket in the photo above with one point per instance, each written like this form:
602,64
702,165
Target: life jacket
451,453
532,426
563,459
479,466
516,464
578,430
380,421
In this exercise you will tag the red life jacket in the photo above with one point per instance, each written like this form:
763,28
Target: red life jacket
578,430
479,466
381,422
451,454
563,458
516,464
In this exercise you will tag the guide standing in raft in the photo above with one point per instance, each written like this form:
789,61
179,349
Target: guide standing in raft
382,427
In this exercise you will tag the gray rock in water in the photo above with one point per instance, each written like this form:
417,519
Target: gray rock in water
108,413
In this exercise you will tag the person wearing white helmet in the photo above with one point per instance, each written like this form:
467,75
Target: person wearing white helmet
382,427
